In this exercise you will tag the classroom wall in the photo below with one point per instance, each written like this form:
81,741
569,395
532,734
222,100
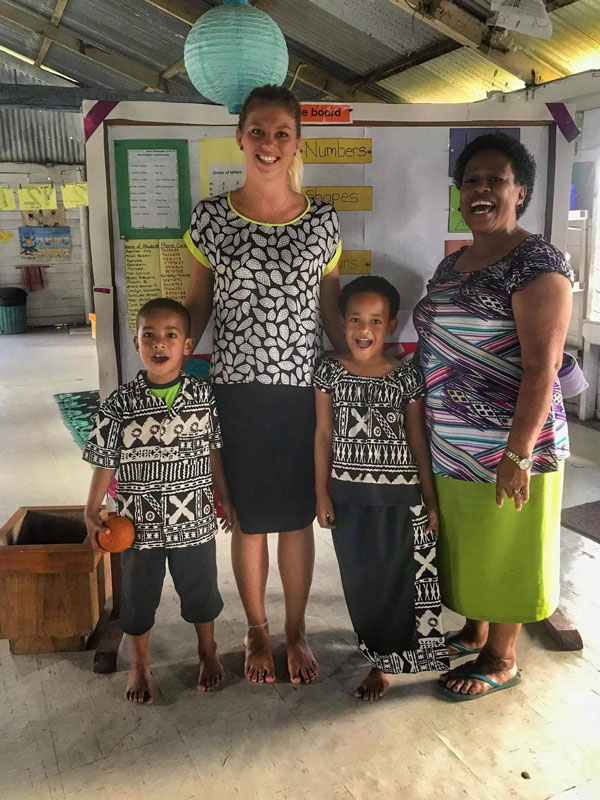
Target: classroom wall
62,299
588,149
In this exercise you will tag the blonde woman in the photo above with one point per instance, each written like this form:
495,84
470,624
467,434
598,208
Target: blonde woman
265,261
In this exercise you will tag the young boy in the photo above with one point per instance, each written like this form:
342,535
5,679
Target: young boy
375,491
161,433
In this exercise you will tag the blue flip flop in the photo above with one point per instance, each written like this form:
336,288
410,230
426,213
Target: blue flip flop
462,650
458,697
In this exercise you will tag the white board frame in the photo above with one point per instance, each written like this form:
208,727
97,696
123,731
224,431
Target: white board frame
484,114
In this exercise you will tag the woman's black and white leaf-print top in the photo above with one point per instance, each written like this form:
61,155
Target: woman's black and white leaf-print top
266,289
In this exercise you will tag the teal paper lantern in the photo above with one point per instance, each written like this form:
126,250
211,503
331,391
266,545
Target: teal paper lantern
231,50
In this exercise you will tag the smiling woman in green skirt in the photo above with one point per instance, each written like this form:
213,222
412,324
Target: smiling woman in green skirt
491,334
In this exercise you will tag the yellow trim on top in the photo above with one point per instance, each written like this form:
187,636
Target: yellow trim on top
195,251
268,224
334,261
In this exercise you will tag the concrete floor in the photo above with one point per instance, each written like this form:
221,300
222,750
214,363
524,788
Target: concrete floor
67,733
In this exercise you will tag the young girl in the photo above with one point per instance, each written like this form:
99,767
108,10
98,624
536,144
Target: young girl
375,491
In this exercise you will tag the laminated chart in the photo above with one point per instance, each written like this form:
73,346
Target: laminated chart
155,268
222,166
153,188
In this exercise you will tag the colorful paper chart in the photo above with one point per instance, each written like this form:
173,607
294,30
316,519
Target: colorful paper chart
456,223
155,268
32,198
7,199
222,165
74,194
461,137
45,244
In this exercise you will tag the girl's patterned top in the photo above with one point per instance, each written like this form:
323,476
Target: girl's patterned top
471,358
266,289
369,439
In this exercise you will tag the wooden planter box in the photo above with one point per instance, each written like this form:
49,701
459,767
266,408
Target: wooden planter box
53,585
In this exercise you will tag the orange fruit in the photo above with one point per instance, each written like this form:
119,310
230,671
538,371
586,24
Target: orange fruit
120,536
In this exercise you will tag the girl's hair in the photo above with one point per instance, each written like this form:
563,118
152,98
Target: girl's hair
521,160
282,98
374,284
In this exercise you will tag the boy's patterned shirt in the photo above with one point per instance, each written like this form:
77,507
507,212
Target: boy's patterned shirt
162,458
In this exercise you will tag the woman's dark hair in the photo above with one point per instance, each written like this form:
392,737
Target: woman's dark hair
522,162
370,283
166,304
272,96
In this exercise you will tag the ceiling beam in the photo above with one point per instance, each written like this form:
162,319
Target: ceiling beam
407,62
498,48
64,38
71,98
25,65
175,69
54,20
556,5
310,74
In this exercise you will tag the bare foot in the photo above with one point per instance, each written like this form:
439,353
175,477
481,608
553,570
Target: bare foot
300,659
499,670
138,685
211,672
374,686
259,666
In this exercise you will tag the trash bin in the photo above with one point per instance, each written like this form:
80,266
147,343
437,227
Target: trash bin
13,303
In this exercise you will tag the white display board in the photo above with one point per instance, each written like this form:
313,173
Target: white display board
405,229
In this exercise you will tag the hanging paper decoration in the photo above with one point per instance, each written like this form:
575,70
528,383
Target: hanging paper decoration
231,50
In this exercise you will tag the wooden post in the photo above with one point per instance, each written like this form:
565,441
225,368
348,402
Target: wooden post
563,631
105,659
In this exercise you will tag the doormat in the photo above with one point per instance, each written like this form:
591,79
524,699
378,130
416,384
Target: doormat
584,519
78,410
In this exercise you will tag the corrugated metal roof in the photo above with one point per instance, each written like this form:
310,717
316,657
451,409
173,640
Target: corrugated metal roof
131,28
41,136
575,43
384,22
338,41
462,76
18,39
13,75
87,72
347,39
45,8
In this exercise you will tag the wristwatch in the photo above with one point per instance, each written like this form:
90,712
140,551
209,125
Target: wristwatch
522,463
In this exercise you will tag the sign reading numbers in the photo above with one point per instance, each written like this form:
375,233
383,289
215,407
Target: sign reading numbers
337,151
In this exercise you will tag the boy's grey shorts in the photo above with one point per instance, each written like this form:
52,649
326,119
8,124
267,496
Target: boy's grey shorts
194,573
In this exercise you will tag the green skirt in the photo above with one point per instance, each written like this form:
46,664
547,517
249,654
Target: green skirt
500,564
